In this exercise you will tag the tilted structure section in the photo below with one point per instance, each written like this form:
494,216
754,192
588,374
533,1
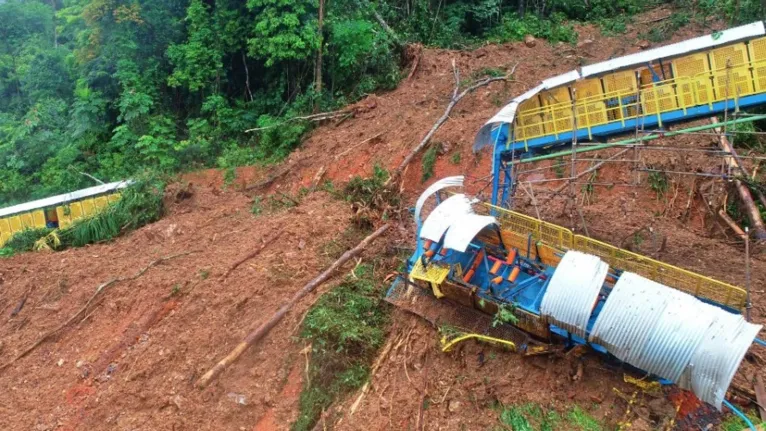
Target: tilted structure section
58,211
700,77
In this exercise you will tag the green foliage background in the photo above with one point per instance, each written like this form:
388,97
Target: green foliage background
116,87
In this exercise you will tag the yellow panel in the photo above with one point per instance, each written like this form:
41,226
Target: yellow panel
757,49
730,65
559,117
4,237
692,73
431,274
731,56
690,66
101,202
15,223
591,114
588,88
114,197
63,215
5,227
529,126
88,207
26,220
38,219
75,211
658,99
620,82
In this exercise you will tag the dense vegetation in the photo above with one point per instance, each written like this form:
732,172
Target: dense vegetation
113,87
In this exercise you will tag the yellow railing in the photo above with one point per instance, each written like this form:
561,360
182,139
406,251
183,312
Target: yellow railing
552,239
735,71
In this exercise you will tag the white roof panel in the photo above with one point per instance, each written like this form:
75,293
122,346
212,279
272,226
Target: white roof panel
456,181
66,197
708,41
444,215
573,291
464,229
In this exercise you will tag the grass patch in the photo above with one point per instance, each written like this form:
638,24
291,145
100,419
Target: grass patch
429,162
370,198
583,420
665,29
455,159
658,182
732,422
533,417
25,240
345,327
274,203
139,205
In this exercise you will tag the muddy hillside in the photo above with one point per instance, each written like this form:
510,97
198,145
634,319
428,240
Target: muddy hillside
157,308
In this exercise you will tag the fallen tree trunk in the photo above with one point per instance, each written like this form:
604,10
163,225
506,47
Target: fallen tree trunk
443,119
268,325
759,229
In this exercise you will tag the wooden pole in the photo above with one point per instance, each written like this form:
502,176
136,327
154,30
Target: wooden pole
748,303
268,325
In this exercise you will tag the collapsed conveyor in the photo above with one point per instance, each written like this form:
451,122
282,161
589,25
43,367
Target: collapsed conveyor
689,339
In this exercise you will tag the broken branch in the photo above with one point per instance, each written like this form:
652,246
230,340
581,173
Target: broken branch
251,255
443,119
313,117
269,324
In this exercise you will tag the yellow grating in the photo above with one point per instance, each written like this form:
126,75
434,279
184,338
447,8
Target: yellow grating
731,56
690,65
620,81
560,117
88,207
659,99
757,49
516,227
531,126
730,64
556,96
739,83
591,114
434,274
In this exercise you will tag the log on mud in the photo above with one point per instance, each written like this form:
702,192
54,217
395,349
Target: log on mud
759,229
268,325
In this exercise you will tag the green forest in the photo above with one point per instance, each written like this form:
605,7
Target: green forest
110,88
